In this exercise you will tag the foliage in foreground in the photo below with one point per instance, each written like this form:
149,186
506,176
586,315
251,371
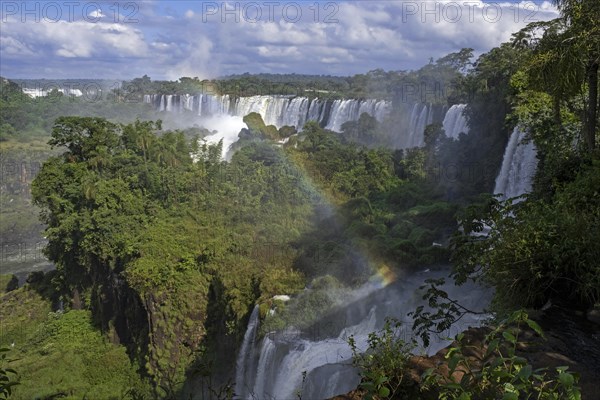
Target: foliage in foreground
492,369
8,376
537,250
500,373
383,367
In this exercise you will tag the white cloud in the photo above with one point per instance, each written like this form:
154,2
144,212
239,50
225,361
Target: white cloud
10,46
96,14
375,34
200,61
293,53
368,35
78,39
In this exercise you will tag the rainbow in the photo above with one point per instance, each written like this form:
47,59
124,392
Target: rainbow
383,275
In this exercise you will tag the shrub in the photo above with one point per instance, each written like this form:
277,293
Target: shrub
500,373
537,250
382,366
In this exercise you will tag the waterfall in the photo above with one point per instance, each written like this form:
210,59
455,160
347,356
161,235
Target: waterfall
275,110
188,102
412,122
215,105
322,351
296,113
169,102
406,119
342,111
42,92
421,124
350,110
381,109
455,122
197,104
267,353
315,111
414,118
420,116
375,108
271,108
367,106
245,373
227,129
308,355
518,167
202,104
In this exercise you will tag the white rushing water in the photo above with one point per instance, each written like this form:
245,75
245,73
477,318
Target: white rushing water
42,92
226,128
275,110
273,367
270,108
330,114
455,122
518,167
342,111
246,356
420,117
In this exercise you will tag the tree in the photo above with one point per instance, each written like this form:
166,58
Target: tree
315,135
140,136
364,131
554,65
580,43
84,135
582,17
460,60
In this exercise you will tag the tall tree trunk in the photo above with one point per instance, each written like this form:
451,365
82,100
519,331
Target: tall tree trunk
556,110
590,134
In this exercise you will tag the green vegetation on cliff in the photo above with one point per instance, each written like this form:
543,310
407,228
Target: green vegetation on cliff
62,354
162,249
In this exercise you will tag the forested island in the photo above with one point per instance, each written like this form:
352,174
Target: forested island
426,234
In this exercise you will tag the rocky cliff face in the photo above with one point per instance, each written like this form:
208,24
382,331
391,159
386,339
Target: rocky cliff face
163,328
21,237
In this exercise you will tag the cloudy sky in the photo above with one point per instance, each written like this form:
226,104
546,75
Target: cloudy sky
170,39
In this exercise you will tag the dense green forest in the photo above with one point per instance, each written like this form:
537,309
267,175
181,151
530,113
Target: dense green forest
162,249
